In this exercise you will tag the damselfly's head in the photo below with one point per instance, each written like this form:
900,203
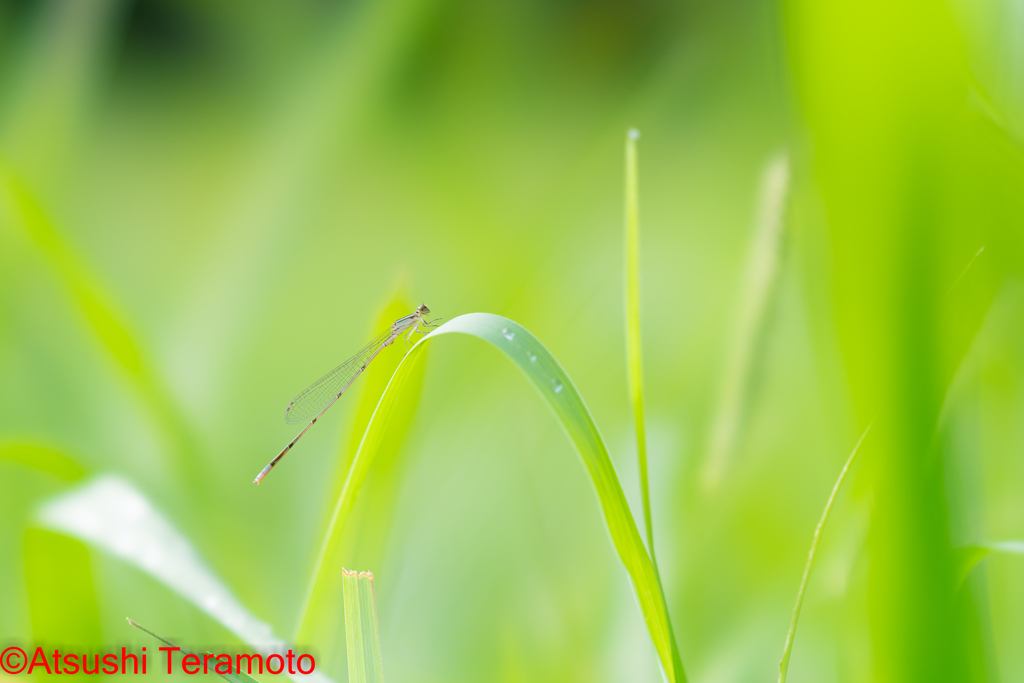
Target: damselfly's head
422,309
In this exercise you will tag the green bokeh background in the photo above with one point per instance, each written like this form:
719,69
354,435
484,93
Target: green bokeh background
206,205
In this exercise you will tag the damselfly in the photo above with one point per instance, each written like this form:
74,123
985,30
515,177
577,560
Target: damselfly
321,394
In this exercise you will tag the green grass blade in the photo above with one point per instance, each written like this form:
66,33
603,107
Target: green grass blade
362,634
42,458
755,294
101,315
787,650
233,677
633,346
558,391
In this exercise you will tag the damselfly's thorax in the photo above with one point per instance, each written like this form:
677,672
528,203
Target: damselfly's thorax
410,321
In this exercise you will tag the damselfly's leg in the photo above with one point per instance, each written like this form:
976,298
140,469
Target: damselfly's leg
426,323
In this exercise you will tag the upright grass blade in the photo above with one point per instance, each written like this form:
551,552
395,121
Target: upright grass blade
41,458
238,677
788,648
322,627
362,634
558,391
633,346
755,294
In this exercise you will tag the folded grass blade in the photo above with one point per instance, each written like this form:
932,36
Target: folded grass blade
558,391
362,634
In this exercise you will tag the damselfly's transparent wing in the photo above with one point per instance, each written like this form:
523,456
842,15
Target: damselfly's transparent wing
320,393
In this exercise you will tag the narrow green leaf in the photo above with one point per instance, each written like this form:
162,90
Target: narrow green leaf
633,345
787,649
755,294
233,677
41,458
362,634
558,391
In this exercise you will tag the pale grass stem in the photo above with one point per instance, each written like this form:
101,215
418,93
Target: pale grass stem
759,281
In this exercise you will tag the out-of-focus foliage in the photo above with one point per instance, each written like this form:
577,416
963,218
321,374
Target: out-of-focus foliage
205,205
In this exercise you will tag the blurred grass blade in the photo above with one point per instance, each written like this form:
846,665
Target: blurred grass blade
368,538
1008,547
325,101
101,315
109,513
633,343
233,677
966,558
57,71
41,458
788,648
755,294
558,391
61,592
362,634
111,331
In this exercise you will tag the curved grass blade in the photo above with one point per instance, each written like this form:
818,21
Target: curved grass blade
110,514
755,294
633,346
558,391
787,650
